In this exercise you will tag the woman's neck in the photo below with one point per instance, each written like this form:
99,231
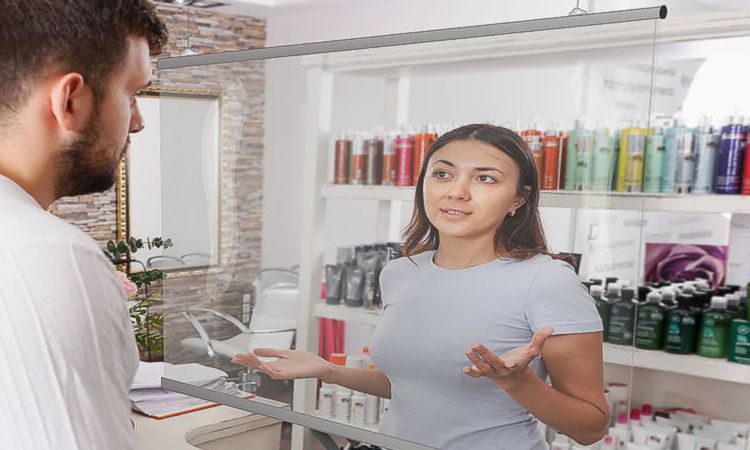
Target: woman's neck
455,254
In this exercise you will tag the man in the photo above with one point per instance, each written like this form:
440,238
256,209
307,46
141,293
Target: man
70,70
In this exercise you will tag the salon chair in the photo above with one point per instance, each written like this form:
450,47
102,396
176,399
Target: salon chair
163,262
273,323
196,259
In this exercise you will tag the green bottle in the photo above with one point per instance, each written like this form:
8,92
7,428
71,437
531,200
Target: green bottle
655,152
713,339
602,305
571,160
649,323
602,160
739,341
621,316
747,302
681,327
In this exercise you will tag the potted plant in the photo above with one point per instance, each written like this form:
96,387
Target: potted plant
145,294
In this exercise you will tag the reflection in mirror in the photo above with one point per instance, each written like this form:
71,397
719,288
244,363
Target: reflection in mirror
173,178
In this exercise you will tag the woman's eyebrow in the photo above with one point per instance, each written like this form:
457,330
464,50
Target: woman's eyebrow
446,162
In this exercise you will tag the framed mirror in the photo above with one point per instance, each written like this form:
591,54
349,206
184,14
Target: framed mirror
169,184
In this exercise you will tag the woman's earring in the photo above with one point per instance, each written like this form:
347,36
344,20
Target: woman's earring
513,213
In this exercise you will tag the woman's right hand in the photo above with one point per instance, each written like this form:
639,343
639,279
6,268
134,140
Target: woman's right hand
290,365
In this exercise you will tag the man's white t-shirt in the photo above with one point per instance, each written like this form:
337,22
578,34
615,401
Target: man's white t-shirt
67,351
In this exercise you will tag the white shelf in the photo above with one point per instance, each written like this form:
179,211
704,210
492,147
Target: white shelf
373,428
693,365
347,313
577,200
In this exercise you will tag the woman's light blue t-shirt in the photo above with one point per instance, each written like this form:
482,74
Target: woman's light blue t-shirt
431,316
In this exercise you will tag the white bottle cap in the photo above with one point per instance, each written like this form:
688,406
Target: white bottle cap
613,289
596,290
718,302
653,298
667,294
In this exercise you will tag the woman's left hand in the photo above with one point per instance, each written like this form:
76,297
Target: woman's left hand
511,366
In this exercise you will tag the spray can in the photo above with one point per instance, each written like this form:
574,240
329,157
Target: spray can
706,149
673,136
552,148
390,160
343,149
405,160
731,149
746,173
635,158
655,153
563,158
358,161
603,159
374,152
422,143
584,159
685,176
533,138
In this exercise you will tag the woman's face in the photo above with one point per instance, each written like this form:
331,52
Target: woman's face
469,188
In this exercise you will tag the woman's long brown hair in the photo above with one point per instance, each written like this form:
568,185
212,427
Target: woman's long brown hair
521,236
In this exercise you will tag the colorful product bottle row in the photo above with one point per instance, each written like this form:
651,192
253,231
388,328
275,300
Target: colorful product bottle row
667,157
683,318
388,159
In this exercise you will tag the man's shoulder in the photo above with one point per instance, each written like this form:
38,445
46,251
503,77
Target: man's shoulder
35,228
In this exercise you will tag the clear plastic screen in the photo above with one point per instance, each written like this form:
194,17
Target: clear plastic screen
250,178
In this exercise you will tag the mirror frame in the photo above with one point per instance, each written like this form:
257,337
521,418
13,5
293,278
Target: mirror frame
122,184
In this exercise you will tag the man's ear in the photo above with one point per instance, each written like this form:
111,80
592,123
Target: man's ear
72,102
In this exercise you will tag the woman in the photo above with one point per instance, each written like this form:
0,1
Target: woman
470,311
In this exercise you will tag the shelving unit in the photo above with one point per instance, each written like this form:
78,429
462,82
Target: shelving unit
575,200
397,66
693,365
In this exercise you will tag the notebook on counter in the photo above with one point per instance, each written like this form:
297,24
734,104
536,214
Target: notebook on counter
147,396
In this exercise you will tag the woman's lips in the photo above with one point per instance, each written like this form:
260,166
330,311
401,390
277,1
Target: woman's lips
454,213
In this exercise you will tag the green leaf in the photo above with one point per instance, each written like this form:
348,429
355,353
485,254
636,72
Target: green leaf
111,247
122,247
139,243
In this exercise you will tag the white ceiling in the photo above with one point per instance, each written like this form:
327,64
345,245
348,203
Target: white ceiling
270,8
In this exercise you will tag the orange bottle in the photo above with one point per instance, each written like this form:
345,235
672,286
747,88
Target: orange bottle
533,138
552,149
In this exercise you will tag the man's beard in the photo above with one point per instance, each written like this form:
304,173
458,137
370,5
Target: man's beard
86,165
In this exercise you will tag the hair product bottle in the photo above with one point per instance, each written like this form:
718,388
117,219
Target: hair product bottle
358,161
603,159
343,153
552,149
655,153
649,326
602,305
713,339
681,327
731,152
390,160
635,158
533,138
405,160
706,150
584,159
374,152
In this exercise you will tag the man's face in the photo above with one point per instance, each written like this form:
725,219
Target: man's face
89,162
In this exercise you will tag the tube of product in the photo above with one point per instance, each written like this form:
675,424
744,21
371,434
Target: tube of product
622,156
584,159
390,160
358,413
685,177
368,297
731,150
655,153
355,280
552,149
374,152
343,153
533,138
602,160
325,400
372,409
343,400
334,277
405,159
358,161
706,149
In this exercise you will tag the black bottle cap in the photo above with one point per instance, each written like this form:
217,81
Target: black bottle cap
595,281
628,294
685,300
733,287
723,290
642,293
588,284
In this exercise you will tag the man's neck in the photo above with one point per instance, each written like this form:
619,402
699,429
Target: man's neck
27,168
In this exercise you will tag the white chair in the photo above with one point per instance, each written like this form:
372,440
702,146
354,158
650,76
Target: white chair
273,324
164,262
196,259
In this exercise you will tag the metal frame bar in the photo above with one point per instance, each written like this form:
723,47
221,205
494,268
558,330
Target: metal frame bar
418,37
294,417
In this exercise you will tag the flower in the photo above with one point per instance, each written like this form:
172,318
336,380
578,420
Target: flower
673,261
128,286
